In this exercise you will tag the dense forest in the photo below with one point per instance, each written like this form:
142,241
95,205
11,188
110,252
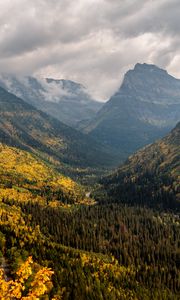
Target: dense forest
78,247
115,238
96,252
150,177
89,150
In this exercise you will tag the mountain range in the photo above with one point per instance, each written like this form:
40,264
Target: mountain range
113,238
24,126
145,108
65,100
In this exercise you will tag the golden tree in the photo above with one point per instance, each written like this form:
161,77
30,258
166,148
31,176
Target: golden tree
28,285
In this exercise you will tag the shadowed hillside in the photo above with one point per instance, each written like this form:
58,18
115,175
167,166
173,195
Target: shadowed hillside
149,177
65,100
145,108
24,126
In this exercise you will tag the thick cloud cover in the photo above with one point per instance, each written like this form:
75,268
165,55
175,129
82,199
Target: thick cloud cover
90,41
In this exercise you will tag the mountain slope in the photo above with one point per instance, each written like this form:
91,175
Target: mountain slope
145,108
95,252
24,178
149,177
65,100
24,126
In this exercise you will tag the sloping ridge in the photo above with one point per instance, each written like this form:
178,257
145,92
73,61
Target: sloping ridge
24,126
145,108
24,177
149,177
65,100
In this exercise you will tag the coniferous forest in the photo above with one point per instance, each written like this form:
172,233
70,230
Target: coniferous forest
89,191
57,242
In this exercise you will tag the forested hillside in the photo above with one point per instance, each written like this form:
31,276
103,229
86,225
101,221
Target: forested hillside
150,177
24,126
26,178
56,243
89,150
61,240
144,246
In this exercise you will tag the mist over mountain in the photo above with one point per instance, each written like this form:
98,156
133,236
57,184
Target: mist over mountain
89,150
145,108
103,231
23,126
65,100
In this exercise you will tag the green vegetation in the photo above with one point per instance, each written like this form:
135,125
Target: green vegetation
149,177
25,178
58,243
25,127
96,252
143,268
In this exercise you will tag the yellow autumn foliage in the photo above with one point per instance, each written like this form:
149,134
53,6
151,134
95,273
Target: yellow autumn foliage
24,177
11,217
27,285
103,271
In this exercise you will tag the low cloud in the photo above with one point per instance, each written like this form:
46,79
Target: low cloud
90,41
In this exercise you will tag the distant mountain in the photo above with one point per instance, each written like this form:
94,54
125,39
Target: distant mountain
149,177
65,100
145,108
25,127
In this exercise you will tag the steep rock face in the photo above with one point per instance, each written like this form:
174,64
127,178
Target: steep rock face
145,108
23,126
65,100
149,177
151,84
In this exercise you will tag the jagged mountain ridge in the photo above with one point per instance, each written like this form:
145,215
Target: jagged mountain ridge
149,177
148,80
23,126
65,100
145,108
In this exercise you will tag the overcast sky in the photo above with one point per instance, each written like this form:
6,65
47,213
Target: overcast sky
90,41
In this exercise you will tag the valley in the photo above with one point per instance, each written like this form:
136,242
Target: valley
78,219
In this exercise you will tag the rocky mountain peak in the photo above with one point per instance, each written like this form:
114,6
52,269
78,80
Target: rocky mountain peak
152,84
144,67
66,100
